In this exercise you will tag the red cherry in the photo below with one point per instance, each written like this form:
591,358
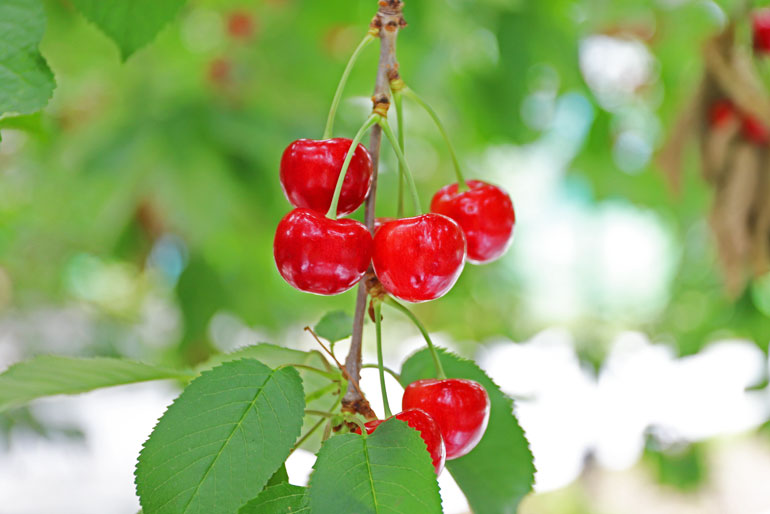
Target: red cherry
721,112
318,255
310,169
754,130
762,31
460,407
428,429
219,70
485,213
240,25
379,222
419,259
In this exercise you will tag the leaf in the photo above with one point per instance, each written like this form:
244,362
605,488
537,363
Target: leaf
221,440
130,23
278,499
498,473
275,356
26,81
281,476
388,471
335,326
48,375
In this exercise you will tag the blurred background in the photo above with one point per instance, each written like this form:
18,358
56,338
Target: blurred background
137,213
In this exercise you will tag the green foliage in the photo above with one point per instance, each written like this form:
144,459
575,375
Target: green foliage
334,326
130,24
26,82
503,453
48,375
278,499
279,477
388,471
221,440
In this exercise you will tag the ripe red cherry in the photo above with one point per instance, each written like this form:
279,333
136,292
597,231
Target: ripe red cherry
379,222
754,130
720,113
419,259
310,169
762,31
428,429
318,255
460,407
240,25
485,213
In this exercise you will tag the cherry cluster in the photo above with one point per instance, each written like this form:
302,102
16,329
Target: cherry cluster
415,259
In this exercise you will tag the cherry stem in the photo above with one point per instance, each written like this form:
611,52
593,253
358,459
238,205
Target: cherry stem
343,80
398,102
387,370
371,120
461,184
377,307
402,160
436,361
360,424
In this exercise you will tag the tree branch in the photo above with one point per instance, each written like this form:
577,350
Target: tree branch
388,21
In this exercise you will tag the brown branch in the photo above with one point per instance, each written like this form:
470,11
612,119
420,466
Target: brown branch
388,21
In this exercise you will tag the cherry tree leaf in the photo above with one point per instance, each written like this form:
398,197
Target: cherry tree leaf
278,499
130,23
499,472
388,471
221,440
26,81
334,326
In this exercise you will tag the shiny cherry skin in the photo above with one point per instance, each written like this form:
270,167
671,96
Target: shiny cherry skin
310,169
419,259
484,212
761,23
428,429
754,130
720,113
460,407
379,222
318,255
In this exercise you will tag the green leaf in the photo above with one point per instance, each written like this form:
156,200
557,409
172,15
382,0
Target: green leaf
334,326
281,476
503,453
278,499
388,471
26,82
130,23
48,375
221,440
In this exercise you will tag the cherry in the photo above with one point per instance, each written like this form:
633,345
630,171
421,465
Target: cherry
219,70
240,25
485,213
459,406
310,169
721,112
426,426
762,31
419,259
379,222
319,255
754,130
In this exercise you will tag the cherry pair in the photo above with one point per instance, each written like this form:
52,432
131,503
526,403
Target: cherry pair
722,112
450,414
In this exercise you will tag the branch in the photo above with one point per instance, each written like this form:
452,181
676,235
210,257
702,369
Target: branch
388,21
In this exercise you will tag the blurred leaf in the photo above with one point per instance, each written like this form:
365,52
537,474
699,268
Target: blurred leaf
48,375
131,24
682,467
388,471
26,81
191,452
503,453
278,499
335,326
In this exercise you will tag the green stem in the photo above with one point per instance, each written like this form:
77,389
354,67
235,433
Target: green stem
307,435
398,102
387,370
359,423
312,412
461,184
343,80
380,365
410,179
371,120
436,361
